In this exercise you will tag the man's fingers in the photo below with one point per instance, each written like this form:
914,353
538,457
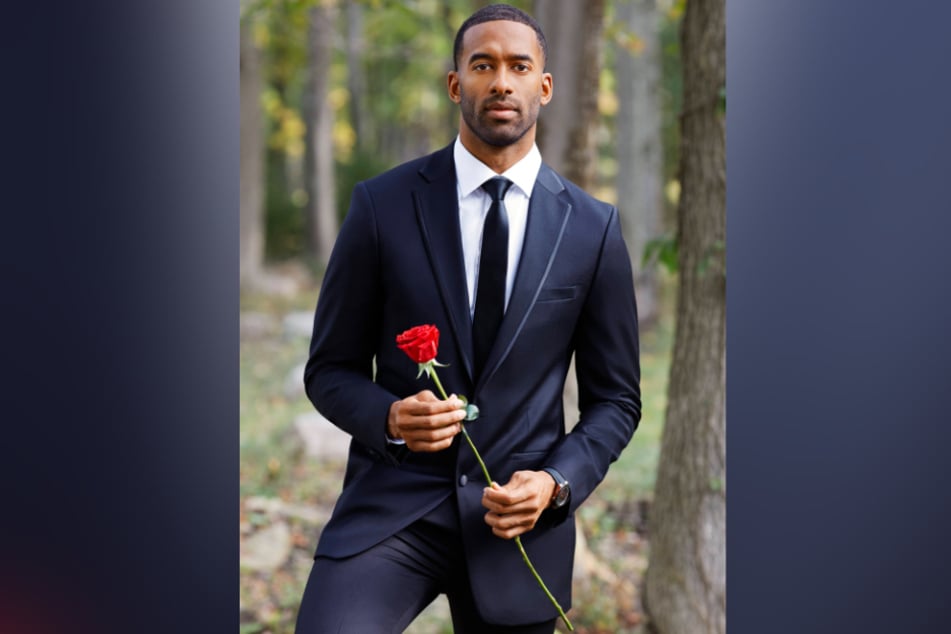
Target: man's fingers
505,497
426,395
418,407
429,440
509,526
428,446
525,506
432,435
430,421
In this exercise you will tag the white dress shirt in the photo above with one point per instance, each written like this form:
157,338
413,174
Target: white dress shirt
474,204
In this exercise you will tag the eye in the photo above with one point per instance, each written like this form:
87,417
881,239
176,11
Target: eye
482,66
522,68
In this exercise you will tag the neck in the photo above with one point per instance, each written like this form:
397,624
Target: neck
497,158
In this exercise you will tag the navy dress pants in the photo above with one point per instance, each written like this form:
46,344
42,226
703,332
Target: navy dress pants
381,590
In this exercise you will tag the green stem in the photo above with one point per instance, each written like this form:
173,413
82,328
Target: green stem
432,373
538,578
488,478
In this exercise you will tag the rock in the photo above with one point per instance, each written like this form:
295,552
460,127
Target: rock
299,323
267,549
321,438
294,383
276,507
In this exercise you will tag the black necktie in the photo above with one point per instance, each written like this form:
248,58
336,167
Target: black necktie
493,263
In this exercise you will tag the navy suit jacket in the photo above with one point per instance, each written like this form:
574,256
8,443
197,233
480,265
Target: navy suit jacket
398,263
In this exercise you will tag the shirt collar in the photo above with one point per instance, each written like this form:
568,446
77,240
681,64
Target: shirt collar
471,172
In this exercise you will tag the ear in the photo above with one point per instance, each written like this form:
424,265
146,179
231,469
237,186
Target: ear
546,88
452,84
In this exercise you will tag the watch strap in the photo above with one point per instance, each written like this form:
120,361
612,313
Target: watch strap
560,483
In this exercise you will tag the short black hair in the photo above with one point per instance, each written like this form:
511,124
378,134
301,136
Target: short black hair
498,12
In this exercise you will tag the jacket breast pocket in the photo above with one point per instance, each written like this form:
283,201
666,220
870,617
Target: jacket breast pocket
557,294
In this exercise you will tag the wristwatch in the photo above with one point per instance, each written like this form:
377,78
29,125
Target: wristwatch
562,489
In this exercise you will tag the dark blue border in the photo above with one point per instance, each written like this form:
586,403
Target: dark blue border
839,356
120,304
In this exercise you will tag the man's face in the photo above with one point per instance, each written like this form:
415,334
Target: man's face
500,85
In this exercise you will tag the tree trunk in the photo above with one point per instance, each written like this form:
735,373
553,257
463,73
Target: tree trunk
356,76
567,125
686,579
639,148
319,117
251,215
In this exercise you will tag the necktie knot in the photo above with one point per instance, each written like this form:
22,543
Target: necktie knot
496,187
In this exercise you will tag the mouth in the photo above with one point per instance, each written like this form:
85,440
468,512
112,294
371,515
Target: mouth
502,110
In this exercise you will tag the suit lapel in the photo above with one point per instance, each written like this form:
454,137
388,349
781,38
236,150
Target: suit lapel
437,211
547,217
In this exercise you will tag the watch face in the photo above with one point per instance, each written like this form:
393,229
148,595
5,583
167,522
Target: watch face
562,496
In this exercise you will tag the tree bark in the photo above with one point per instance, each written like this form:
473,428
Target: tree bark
639,147
251,214
686,579
322,222
356,75
567,125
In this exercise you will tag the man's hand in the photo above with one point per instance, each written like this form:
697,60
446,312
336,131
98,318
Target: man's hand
515,508
425,422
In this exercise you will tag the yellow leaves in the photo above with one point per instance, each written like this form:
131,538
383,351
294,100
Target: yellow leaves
344,139
289,128
338,97
630,42
607,103
261,35
676,10
672,191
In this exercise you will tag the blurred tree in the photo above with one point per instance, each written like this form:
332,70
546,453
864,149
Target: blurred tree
639,151
685,587
567,125
319,115
356,76
281,30
251,223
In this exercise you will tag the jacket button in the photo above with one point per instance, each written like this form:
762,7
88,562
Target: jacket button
463,480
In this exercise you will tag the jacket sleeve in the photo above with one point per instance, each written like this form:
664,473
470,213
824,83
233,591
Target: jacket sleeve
338,376
608,371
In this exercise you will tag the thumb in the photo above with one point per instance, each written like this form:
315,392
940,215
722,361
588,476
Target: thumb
426,395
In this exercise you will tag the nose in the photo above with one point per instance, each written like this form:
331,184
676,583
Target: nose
500,83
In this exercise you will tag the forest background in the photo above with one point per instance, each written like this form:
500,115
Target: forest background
337,91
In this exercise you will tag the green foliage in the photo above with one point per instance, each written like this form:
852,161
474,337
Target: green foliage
632,475
284,222
662,250
363,165
712,255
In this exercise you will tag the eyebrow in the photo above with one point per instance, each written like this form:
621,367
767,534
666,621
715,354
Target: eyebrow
521,57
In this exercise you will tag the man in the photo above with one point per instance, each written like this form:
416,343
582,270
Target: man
516,280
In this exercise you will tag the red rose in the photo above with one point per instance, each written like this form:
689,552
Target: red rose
420,343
